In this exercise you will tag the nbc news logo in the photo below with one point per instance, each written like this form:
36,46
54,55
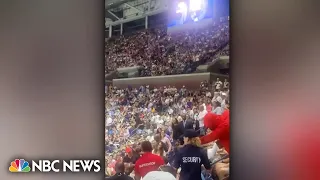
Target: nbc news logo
21,165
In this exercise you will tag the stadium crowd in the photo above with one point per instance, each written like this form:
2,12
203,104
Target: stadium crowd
162,53
167,133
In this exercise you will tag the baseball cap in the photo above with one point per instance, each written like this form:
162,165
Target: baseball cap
128,150
190,133
158,175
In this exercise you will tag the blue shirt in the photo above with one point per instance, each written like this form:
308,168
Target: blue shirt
190,158
189,104
110,132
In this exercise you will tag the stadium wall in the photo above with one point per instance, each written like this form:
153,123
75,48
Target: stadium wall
108,83
191,81
128,72
111,75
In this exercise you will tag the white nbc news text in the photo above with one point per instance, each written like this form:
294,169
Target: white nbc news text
67,166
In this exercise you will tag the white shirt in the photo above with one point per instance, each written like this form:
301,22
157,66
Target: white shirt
223,103
109,121
218,110
225,84
212,151
219,99
218,84
191,113
127,133
167,101
201,116
150,105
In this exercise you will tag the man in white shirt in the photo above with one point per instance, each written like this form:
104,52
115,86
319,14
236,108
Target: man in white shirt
109,121
201,115
208,94
218,84
225,84
223,100
183,111
150,105
191,113
183,101
167,101
127,133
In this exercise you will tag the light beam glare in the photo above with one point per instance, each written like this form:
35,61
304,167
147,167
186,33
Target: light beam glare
195,5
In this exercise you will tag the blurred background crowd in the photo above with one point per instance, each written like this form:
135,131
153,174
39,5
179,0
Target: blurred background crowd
160,53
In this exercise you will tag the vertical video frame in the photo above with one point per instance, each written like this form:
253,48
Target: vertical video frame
167,89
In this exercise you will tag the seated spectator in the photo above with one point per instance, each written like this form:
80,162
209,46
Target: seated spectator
147,162
110,170
120,175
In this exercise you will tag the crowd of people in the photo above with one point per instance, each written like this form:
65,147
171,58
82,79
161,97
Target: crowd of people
161,53
167,132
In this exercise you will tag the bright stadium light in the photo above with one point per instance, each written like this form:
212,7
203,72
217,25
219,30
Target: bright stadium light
198,9
182,8
195,5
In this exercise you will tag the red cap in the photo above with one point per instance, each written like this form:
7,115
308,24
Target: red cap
128,150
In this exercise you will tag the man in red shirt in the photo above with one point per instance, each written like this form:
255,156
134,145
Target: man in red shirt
147,162
220,129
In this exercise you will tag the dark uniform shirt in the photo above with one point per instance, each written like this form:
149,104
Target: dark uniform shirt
190,158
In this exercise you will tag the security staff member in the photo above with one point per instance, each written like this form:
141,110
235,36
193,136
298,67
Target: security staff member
191,157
